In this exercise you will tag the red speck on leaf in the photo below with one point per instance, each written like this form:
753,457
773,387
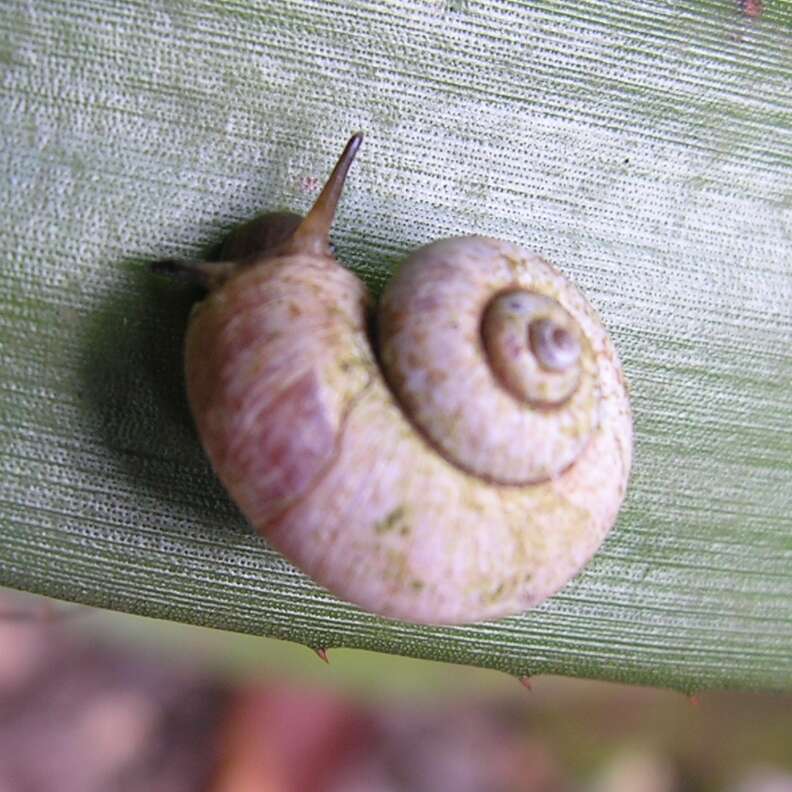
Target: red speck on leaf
751,8
309,184
322,655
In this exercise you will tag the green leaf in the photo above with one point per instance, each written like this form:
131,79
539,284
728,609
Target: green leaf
644,146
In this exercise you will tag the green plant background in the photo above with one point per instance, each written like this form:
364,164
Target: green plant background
643,146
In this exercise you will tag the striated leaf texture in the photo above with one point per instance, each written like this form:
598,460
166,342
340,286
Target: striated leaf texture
644,146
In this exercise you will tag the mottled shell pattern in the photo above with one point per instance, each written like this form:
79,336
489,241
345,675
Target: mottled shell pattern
466,473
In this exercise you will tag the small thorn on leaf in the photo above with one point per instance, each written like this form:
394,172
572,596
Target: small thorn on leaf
322,655
525,681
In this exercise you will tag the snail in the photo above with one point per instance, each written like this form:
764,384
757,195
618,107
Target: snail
465,471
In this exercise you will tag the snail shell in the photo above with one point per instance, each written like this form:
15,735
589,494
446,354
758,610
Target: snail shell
470,480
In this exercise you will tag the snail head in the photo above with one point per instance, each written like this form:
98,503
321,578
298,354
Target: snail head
272,234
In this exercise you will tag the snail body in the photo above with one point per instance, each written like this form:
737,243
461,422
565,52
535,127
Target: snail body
466,473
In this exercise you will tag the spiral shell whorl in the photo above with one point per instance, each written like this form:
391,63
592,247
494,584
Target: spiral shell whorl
488,404
533,347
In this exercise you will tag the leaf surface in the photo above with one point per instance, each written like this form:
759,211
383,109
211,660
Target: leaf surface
645,147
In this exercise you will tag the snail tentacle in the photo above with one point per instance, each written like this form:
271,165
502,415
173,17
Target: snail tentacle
312,236
208,274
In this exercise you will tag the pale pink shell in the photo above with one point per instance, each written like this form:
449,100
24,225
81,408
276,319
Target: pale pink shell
312,444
